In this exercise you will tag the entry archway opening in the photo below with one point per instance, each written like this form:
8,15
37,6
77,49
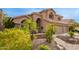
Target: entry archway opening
39,25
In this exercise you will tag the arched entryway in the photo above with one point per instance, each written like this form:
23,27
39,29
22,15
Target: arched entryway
22,25
39,25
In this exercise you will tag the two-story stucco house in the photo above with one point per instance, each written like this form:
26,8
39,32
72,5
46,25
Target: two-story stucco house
43,18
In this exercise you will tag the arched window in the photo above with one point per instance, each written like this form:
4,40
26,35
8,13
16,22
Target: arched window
51,15
59,18
22,23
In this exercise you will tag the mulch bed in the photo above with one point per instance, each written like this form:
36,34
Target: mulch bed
69,39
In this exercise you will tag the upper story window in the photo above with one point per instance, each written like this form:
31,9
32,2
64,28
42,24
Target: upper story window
59,18
22,23
51,15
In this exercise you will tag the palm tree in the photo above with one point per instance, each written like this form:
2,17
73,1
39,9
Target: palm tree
7,21
30,25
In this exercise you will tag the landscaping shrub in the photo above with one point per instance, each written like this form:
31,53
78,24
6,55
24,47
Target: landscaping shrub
71,34
71,30
15,39
43,47
49,33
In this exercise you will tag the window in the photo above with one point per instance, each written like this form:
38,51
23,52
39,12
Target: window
22,23
51,15
59,18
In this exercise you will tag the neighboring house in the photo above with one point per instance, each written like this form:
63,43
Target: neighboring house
43,18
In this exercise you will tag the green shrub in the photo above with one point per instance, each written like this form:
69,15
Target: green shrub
49,33
43,47
15,39
71,31
72,28
71,34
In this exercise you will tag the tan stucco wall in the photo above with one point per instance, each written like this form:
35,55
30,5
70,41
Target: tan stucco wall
60,28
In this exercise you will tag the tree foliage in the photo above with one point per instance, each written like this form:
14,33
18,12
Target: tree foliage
30,25
8,22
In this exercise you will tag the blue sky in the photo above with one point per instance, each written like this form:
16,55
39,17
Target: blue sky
69,13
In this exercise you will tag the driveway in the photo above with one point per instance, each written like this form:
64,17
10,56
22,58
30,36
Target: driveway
67,46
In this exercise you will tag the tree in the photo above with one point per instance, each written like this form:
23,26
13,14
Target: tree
7,21
49,32
30,25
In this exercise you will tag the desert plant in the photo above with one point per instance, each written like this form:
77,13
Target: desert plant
71,31
49,33
31,26
7,21
43,47
15,39
71,28
71,34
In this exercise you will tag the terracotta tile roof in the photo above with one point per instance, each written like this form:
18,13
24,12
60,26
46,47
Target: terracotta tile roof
47,10
22,16
35,13
18,19
59,22
59,15
26,16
